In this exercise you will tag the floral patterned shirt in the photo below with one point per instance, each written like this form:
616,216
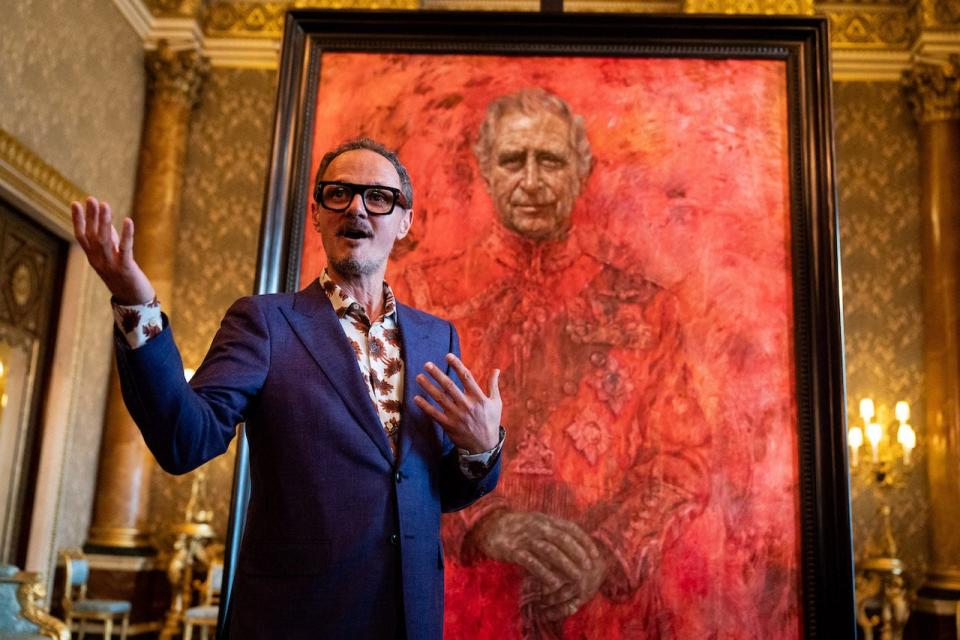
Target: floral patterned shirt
377,347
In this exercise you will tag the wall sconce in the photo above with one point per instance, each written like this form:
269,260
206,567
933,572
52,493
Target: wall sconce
883,450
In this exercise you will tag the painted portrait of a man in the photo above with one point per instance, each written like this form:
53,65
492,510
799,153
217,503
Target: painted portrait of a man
616,243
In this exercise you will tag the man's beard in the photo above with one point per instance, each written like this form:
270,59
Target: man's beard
351,266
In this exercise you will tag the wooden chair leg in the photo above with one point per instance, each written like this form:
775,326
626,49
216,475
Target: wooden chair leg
124,626
187,630
83,627
204,632
107,628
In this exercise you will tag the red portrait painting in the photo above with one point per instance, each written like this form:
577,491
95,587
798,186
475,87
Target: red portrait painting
613,235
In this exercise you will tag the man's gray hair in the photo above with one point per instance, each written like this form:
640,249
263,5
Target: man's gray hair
531,101
406,187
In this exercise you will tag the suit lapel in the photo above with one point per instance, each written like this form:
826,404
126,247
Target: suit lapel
415,338
316,325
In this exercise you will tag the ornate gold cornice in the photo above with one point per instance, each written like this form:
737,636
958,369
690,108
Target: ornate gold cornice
176,75
764,7
857,26
25,173
940,14
933,90
231,19
175,8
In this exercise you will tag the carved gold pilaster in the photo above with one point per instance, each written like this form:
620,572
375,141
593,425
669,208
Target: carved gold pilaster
934,94
123,483
933,91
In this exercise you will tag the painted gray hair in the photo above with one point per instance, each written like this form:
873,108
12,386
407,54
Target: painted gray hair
530,101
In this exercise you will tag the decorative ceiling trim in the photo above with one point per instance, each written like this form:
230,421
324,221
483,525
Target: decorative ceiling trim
850,65
30,181
874,42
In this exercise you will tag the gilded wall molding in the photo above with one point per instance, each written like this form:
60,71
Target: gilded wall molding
29,178
889,27
232,19
763,7
940,14
933,90
175,8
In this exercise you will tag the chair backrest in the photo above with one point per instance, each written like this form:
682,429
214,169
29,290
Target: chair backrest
12,621
213,583
76,571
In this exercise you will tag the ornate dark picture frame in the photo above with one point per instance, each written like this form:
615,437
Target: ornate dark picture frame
825,540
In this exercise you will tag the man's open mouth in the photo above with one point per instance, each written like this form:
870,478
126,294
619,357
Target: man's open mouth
355,234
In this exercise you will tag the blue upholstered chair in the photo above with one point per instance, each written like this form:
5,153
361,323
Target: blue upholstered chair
79,610
21,617
205,615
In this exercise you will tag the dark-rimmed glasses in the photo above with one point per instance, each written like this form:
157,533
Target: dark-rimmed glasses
378,200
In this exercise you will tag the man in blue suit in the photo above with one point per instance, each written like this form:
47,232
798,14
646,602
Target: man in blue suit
350,470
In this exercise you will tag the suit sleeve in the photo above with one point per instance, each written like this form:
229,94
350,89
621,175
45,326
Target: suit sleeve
184,425
457,491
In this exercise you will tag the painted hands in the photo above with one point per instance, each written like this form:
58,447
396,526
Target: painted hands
110,254
559,554
470,417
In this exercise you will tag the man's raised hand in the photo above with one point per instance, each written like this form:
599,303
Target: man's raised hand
110,254
470,417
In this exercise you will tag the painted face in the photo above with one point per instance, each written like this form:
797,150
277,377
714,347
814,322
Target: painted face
533,177
357,243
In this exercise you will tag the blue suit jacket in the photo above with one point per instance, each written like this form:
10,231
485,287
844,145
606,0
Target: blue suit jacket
342,540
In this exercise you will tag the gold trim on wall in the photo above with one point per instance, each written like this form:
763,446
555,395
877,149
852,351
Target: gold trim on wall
858,26
762,7
27,176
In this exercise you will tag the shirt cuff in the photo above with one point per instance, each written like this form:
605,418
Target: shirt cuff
476,465
138,322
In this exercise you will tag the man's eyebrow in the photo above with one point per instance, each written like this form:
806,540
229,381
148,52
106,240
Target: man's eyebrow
553,157
510,156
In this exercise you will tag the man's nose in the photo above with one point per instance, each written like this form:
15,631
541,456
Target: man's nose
356,206
531,174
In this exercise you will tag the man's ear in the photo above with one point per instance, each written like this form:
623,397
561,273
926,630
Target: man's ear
405,224
315,214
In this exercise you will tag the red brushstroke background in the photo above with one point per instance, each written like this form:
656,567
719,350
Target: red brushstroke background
690,187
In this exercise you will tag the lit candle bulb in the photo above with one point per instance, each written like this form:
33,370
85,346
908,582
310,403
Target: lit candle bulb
907,438
902,411
874,434
867,410
855,440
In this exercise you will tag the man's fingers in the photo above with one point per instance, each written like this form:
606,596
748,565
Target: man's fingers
581,536
469,382
495,384
436,393
564,594
561,611
539,570
105,229
126,242
556,558
432,411
448,386
79,224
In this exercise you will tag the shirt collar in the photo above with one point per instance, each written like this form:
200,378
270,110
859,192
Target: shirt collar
344,304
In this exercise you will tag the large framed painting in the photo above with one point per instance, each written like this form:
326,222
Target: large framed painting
634,220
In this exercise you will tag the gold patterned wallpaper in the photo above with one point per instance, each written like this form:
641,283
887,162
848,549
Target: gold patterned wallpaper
877,174
224,180
77,103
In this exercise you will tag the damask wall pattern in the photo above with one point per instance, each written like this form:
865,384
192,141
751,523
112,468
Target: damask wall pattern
877,174
74,95
224,180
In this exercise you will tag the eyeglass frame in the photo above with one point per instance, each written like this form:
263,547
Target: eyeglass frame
398,197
